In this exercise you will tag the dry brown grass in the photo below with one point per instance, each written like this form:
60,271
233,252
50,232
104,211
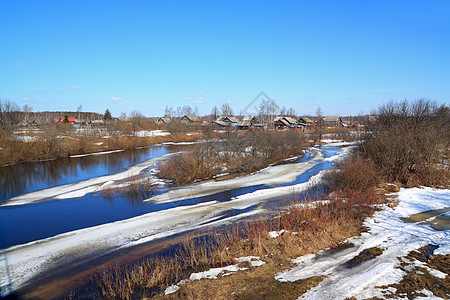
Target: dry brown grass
354,173
138,189
316,227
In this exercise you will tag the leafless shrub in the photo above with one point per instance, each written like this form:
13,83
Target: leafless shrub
199,163
354,173
410,142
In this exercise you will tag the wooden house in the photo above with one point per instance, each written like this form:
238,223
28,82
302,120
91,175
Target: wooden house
163,120
190,119
332,121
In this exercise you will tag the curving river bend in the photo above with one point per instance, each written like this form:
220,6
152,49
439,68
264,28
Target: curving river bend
52,213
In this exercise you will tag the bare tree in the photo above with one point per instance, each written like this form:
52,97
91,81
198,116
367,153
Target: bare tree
137,120
185,110
409,142
79,109
215,112
226,110
291,112
263,111
272,109
27,109
9,112
168,112
319,123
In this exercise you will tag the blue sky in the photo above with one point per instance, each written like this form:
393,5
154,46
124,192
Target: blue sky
346,56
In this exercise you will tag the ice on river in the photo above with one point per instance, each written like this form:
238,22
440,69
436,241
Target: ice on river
386,231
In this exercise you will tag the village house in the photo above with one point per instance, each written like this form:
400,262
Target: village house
163,120
332,121
285,122
308,122
62,120
190,119
96,122
226,121
247,122
220,123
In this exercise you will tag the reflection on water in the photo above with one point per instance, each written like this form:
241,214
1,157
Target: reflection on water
438,219
29,177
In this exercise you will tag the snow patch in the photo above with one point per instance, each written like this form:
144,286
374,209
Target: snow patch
151,133
275,234
215,272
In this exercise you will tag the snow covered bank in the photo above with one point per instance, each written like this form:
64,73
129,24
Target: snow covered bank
97,153
387,231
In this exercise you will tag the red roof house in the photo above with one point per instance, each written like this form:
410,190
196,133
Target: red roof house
61,120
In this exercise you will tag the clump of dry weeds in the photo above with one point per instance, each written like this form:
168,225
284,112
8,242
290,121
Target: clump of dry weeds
139,188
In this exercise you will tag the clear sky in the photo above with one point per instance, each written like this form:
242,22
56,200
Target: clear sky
346,56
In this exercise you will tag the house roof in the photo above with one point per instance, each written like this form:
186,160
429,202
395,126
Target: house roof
373,118
70,120
191,118
229,119
290,120
220,123
248,118
306,120
96,122
164,120
282,121
331,118
244,123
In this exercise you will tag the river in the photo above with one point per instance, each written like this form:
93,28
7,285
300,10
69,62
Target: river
50,230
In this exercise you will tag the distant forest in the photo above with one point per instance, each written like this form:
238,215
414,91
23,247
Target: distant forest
11,113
